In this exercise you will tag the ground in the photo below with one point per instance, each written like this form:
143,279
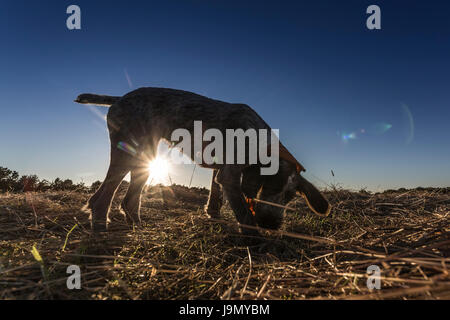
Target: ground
180,254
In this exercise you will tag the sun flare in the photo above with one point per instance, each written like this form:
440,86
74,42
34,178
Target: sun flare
159,171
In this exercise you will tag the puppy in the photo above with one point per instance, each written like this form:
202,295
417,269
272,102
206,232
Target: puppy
139,120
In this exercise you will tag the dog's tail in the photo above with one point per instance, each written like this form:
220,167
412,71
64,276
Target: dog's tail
315,200
96,99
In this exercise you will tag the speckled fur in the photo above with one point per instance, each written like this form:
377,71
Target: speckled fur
145,116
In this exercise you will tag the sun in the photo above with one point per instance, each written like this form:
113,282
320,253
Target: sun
159,171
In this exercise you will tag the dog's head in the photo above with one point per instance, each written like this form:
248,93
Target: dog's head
280,189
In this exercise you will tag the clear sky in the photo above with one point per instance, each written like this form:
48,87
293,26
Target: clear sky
371,105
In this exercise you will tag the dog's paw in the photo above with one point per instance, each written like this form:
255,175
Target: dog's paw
99,227
210,213
86,208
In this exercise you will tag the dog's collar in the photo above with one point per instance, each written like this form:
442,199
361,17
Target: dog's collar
251,204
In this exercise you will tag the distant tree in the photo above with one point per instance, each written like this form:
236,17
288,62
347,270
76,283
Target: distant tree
43,186
67,185
81,187
28,182
95,185
57,184
8,179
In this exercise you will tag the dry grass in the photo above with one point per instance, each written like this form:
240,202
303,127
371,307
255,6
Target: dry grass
180,254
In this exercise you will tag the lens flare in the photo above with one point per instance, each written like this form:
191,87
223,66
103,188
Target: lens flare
159,171
381,127
345,137
127,148
410,126
378,128
127,76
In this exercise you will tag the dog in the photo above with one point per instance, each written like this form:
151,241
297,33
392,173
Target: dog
139,120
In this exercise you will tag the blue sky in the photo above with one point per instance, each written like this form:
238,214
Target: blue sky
373,106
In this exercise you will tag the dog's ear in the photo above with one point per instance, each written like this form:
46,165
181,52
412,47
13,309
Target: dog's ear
315,200
284,154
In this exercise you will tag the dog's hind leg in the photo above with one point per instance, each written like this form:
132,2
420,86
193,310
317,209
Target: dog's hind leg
131,204
212,207
100,203
230,179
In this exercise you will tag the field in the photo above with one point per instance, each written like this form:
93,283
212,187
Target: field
180,254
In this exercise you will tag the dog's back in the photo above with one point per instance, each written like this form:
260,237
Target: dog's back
180,108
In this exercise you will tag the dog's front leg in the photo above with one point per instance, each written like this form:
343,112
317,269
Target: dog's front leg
212,207
229,178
